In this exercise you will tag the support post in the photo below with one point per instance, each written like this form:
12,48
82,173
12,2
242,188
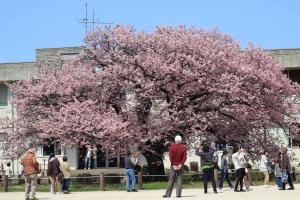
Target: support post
5,183
102,182
140,180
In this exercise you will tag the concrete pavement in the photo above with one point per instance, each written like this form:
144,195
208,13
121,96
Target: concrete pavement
258,193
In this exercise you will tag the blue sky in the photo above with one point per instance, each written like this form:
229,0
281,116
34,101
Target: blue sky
30,24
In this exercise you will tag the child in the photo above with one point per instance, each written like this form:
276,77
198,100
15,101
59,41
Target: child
66,170
278,173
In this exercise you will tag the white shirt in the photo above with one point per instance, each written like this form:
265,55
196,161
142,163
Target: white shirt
263,163
133,161
7,171
236,161
88,154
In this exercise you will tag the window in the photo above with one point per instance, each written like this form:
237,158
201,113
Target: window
48,149
3,95
294,75
2,135
98,69
51,146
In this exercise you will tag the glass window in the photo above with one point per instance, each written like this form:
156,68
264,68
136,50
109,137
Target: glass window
48,148
294,75
3,95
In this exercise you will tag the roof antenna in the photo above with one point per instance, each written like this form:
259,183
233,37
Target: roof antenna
86,21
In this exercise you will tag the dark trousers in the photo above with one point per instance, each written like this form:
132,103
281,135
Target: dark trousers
209,174
175,175
66,185
240,173
279,182
290,181
224,176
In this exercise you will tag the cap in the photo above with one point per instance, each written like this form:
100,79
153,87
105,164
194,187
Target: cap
178,139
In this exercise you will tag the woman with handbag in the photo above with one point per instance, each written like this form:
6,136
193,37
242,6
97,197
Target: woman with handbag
54,173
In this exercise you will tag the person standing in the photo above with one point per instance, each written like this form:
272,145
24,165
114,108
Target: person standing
239,169
249,172
178,155
244,159
264,167
206,159
216,167
7,170
278,172
7,176
224,171
286,166
54,173
89,157
130,162
66,171
31,170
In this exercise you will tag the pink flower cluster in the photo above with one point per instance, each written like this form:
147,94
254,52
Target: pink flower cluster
183,81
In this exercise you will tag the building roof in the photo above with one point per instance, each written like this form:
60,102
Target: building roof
17,71
289,58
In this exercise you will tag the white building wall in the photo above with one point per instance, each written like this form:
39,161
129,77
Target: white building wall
72,155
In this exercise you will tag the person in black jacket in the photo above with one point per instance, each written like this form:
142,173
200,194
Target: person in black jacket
206,159
54,173
286,167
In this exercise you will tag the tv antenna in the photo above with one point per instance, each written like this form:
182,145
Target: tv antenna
86,21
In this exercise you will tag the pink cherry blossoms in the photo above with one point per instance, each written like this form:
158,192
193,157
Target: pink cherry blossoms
136,87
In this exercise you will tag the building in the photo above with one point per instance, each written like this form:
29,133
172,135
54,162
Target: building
11,72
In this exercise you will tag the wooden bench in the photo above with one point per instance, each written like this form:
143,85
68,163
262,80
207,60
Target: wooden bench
104,171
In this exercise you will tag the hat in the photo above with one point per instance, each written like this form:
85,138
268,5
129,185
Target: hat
178,139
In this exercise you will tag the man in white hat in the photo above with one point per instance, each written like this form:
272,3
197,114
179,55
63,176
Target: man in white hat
177,154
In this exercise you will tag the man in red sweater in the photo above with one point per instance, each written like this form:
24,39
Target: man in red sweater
177,154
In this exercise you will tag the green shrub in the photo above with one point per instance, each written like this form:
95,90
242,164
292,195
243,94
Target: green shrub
85,178
186,168
116,179
187,179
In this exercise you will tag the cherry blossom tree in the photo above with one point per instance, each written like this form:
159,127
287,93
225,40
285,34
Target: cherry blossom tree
128,87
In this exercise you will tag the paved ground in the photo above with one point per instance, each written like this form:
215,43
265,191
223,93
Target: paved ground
258,193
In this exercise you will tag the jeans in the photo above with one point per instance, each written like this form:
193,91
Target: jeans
279,182
130,176
87,163
66,184
224,176
290,181
209,174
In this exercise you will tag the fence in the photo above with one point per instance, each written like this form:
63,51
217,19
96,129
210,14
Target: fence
103,181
